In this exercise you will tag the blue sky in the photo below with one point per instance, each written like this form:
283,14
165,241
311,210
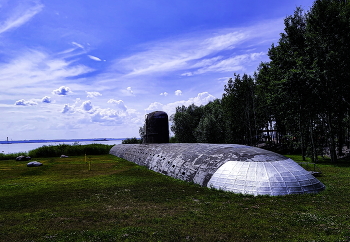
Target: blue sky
88,68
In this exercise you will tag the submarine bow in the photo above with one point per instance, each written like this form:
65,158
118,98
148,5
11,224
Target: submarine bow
229,167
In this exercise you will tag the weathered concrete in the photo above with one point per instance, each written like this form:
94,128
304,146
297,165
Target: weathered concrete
235,168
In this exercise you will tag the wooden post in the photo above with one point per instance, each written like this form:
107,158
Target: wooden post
89,163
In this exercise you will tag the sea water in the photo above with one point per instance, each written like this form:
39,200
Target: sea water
25,146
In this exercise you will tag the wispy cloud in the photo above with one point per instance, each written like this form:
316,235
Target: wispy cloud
206,52
78,45
31,67
232,64
127,92
94,58
19,15
93,94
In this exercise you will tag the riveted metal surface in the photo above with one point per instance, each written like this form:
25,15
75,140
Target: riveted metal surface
235,168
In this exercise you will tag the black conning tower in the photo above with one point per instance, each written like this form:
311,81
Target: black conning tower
156,128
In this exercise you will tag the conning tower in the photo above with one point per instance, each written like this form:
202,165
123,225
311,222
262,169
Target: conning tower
156,128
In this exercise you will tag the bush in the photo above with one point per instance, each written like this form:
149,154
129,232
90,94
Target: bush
132,141
70,150
11,156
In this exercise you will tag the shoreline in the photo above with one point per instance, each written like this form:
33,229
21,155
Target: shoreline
58,140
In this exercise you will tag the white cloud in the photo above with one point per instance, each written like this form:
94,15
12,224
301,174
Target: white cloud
201,99
93,94
164,94
77,101
27,127
67,109
46,99
19,15
224,79
87,106
187,74
206,62
118,103
23,102
78,45
31,67
128,91
177,54
94,58
156,106
61,91
107,116
194,55
85,113
178,92
232,64
110,116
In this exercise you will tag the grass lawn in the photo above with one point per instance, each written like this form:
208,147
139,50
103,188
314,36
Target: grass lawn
120,201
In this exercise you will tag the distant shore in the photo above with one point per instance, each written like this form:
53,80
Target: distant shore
58,140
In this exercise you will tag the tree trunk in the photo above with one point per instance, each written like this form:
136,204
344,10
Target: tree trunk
332,145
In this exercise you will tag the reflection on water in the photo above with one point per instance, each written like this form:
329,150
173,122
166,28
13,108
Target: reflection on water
25,147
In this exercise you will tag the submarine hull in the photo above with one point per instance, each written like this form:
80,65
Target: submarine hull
229,167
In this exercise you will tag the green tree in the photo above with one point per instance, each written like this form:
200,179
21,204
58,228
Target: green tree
239,106
328,35
283,82
305,86
211,127
184,123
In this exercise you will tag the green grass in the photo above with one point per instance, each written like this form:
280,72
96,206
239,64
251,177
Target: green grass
120,201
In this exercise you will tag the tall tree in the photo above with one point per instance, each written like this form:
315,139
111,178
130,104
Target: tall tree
211,127
328,35
307,79
285,79
239,102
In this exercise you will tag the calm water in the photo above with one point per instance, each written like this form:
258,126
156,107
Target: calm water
25,147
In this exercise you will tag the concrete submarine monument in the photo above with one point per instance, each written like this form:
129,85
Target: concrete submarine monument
229,167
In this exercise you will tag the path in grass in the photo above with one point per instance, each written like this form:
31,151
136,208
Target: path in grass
120,201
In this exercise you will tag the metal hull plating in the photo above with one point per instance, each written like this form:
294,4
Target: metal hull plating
234,168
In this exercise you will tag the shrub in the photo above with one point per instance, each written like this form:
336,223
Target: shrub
11,156
70,150
132,141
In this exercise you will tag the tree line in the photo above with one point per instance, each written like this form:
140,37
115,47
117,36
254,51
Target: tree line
299,100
